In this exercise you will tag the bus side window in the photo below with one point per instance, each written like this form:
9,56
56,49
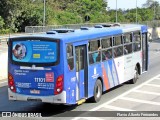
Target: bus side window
127,38
94,51
106,48
70,57
118,46
119,51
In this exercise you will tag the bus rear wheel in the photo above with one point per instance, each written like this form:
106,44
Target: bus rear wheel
97,91
136,75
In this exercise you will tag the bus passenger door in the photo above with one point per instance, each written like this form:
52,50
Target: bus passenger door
144,52
81,71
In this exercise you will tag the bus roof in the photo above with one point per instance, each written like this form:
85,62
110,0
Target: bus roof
91,32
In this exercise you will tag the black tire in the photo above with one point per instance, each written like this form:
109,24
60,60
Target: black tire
97,91
136,76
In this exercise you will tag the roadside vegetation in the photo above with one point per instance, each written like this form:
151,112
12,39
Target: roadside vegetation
16,14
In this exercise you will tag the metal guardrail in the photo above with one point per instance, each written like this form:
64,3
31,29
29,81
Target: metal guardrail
4,38
35,29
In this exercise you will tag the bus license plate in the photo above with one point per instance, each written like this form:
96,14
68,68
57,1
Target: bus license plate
35,91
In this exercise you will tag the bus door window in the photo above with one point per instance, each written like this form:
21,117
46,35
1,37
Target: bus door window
125,50
94,51
137,41
79,58
70,57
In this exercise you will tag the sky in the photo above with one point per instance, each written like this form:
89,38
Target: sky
126,4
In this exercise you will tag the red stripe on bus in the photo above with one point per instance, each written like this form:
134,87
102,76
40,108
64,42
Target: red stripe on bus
105,78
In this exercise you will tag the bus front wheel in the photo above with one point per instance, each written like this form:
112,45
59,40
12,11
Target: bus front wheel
136,75
97,91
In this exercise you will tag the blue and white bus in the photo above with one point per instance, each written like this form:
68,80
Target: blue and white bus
66,66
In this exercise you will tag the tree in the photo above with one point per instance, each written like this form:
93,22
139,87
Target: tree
10,10
154,6
120,14
31,16
88,7
146,14
131,17
151,4
1,22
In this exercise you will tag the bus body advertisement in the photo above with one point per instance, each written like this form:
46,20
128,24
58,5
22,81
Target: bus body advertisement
69,66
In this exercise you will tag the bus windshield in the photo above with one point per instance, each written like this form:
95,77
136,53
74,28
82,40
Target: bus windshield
34,52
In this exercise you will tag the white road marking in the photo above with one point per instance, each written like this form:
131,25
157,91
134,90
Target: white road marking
114,99
125,98
139,101
153,85
117,108
146,92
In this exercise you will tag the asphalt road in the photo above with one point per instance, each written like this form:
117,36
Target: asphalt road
49,110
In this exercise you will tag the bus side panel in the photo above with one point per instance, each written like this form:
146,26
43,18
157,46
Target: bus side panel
94,71
70,80
119,69
137,58
107,71
107,68
110,75
128,67
70,86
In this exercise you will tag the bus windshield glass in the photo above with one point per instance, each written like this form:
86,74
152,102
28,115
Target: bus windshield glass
34,51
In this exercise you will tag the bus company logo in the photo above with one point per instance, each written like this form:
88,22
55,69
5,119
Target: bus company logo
95,74
50,77
73,79
6,114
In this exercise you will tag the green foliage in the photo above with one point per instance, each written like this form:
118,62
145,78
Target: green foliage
32,16
146,14
120,15
131,17
98,17
1,22
4,31
63,17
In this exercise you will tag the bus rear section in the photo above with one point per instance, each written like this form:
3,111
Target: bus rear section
34,70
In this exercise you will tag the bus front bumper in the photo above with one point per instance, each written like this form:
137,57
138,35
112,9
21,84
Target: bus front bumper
58,99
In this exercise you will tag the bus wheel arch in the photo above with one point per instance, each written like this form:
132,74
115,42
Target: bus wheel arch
136,74
98,88
100,78
139,68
